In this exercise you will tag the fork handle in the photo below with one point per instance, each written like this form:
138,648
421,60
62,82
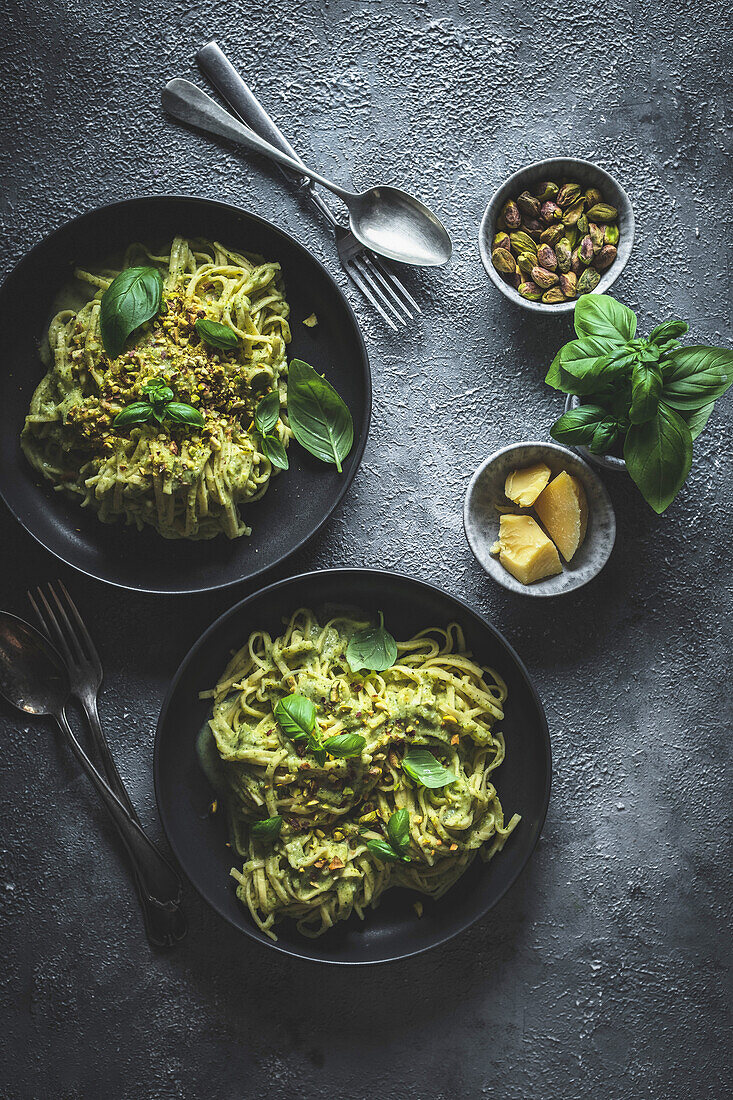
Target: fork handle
160,881
215,65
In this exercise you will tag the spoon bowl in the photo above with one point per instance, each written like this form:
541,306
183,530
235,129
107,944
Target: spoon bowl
400,227
32,675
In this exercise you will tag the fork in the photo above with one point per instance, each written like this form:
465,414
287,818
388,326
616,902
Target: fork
165,923
376,281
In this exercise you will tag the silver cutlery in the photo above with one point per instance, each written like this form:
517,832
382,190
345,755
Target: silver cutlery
384,219
374,278
34,679
66,630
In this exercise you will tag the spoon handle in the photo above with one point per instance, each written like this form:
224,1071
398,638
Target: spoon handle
190,104
160,881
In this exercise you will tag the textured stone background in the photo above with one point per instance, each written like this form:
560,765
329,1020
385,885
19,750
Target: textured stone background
603,973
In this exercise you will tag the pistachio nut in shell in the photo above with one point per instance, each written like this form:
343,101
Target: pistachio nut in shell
575,265
612,234
532,226
602,212
512,217
550,211
564,254
582,225
553,295
552,234
546,257
547,190
572,213
605,257
503,261
530,291
522,242
588,281
592,196
568,284
501,240
526,262
529,205
585,250
543,278
568,194
572,235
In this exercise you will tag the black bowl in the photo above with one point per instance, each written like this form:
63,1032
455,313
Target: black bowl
393,930
297,502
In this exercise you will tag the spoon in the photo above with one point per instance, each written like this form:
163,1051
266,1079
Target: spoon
34,679
385,219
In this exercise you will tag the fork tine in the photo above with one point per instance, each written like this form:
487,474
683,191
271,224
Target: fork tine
360,262
86,636
366,264
70,633
50,625
390,277
355,275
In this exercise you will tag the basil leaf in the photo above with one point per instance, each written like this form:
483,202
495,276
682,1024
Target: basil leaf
274,451
658,456
584,365
319,753
382,850
129,301
267,413
646,387
604,437
296,716
217,335
697,420
422,766
184,414
600,316
140,412
695,376
269,829
668,330
319,418
344,745
373,648
398,830
554,375
578,426
157,390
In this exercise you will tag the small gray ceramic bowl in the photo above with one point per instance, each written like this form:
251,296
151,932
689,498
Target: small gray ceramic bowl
607,462
481,518
561,169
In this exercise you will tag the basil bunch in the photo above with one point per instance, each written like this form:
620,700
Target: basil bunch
130,300
398,839
651,395
158,404
296,716
373,648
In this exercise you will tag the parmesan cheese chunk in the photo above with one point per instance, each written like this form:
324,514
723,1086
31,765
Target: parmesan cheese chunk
525,550
524,486
563,510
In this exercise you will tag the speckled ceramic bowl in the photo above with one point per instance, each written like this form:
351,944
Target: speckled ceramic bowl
607,462
481,517
560,169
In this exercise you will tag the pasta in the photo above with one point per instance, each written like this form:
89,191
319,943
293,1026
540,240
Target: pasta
319,869
184,482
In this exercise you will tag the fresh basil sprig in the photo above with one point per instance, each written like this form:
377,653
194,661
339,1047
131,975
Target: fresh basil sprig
216,335
296,716
266,830
345,745
650,394
158,404
266,417
421,765
395,847
131,299
373,648
320,420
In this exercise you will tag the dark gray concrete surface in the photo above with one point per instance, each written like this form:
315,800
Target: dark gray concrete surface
603,972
